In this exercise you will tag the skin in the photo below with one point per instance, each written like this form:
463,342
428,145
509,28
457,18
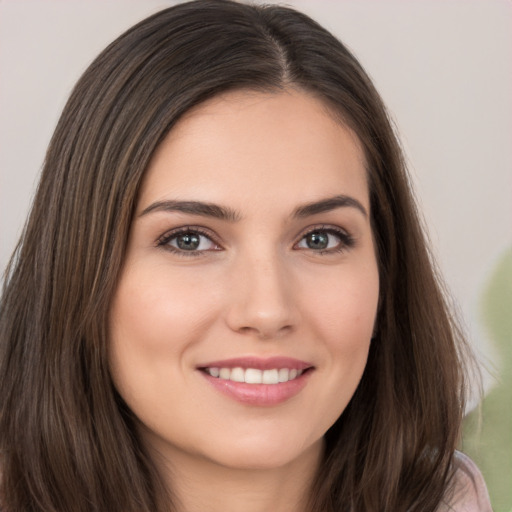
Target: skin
254,287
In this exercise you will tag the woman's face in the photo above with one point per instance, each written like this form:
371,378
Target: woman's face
242,320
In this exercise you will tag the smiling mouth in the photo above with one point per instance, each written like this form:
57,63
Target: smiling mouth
255,375
258,381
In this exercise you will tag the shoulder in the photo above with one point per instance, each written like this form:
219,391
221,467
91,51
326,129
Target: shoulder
467,492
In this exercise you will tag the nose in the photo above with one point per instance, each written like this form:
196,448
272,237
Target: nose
262,302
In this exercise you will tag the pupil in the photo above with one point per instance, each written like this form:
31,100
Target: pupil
188,241
317,240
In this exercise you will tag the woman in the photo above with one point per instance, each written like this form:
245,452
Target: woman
223,297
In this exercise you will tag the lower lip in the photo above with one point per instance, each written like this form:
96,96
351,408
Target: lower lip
259,394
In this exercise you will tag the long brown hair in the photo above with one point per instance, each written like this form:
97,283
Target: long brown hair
67,440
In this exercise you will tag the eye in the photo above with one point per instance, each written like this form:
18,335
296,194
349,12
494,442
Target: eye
326,240
188,241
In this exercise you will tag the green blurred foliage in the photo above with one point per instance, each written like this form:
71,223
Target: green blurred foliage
488,431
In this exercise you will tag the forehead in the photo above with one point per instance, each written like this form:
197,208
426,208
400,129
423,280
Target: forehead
273,146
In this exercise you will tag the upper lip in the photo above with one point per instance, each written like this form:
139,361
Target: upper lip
259,363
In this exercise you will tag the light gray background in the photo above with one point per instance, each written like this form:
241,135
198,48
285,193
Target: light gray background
444,68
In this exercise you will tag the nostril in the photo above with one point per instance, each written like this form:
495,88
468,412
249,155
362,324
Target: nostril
265,333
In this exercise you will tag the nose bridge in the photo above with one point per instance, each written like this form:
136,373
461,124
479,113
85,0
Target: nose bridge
262,300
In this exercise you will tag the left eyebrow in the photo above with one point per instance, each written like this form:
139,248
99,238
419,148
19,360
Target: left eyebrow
326,205
194,208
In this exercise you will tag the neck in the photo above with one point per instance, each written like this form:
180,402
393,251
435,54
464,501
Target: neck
199,484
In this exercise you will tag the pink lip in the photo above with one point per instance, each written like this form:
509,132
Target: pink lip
259,394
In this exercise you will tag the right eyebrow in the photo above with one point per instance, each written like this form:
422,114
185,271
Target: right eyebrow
194,208
331,203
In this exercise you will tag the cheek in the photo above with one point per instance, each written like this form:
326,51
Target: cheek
342,315
345,307
157,306
155,317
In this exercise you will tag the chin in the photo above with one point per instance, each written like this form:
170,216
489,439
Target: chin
266,455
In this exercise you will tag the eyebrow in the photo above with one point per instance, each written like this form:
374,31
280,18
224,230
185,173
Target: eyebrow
326,205
194,208
228,214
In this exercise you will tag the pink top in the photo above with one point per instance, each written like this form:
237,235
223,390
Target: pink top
469,493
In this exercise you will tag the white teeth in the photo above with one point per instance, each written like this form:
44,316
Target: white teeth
225,373
284,375
270,377
254,375
237,374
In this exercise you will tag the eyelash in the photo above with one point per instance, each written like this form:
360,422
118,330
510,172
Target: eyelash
346,240
164,240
